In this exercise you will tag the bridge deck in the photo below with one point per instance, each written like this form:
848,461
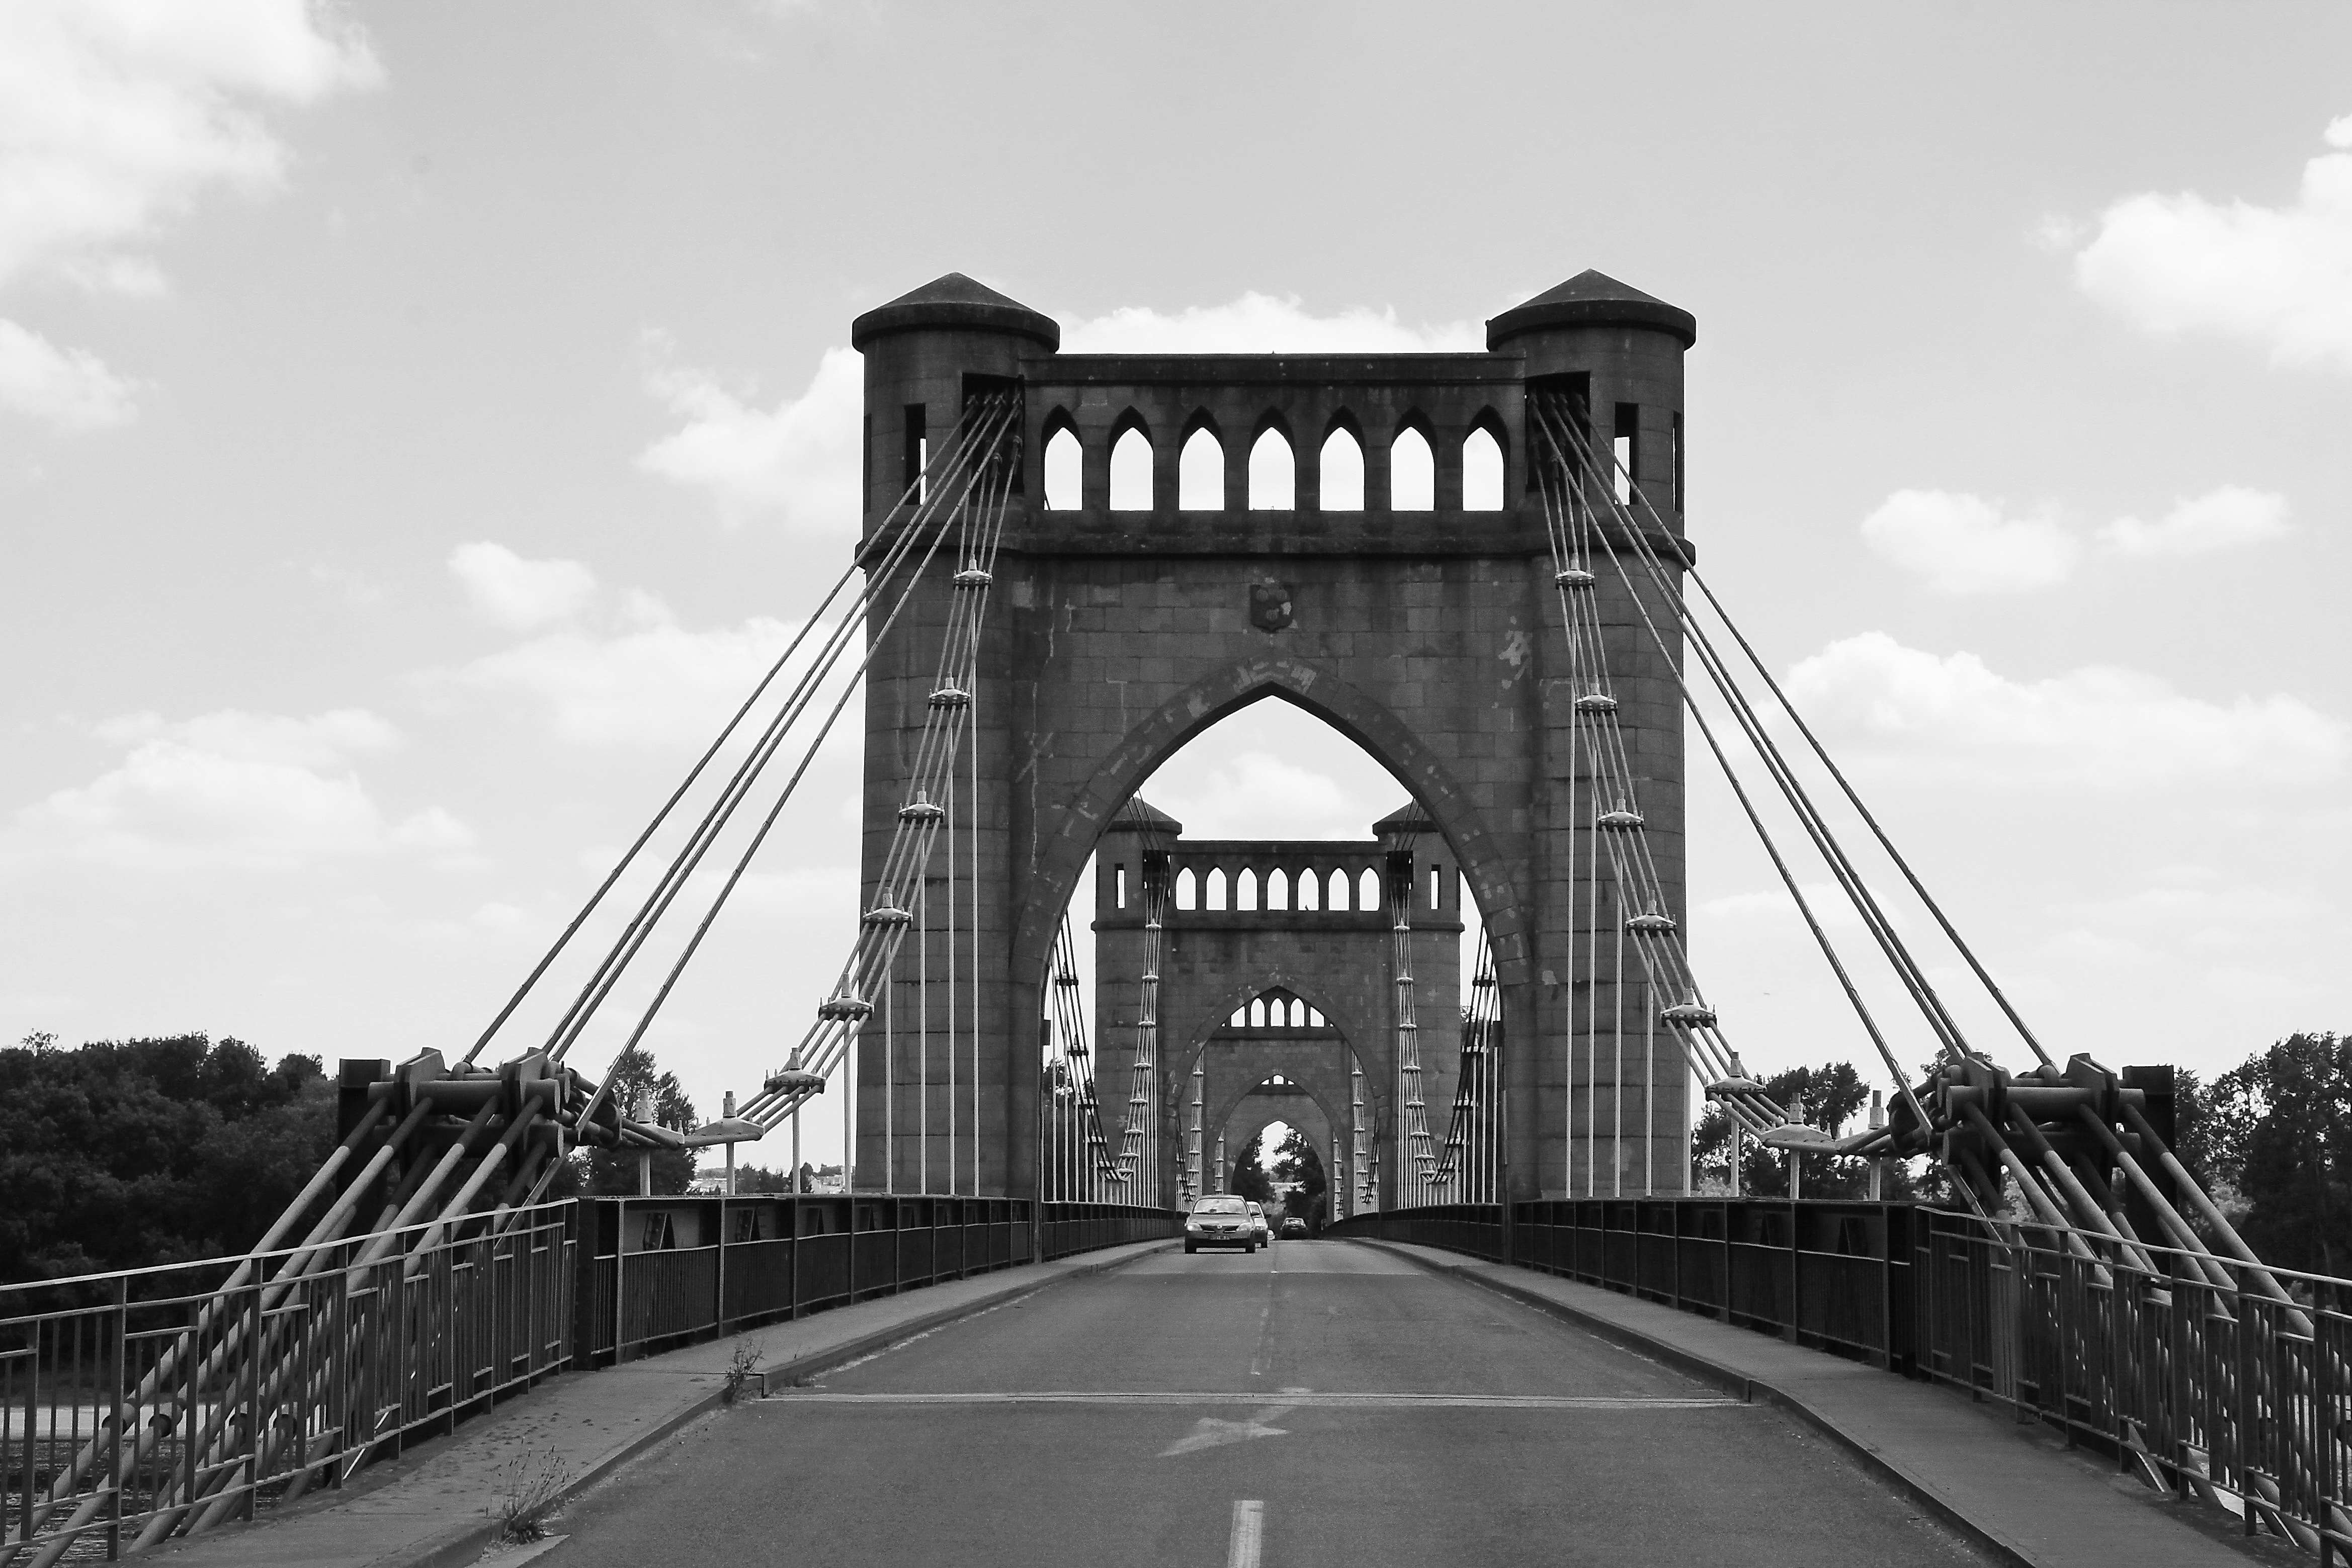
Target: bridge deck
1375,1411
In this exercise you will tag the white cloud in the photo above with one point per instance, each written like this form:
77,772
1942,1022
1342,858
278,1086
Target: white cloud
1263,324
2279,276
115,114
229,790
798,460
1829,904
67,388
1961,544
652,683
1956,718
517,593
2226,518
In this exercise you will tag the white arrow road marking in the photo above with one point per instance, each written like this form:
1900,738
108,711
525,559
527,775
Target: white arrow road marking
1249,1533
1209,1432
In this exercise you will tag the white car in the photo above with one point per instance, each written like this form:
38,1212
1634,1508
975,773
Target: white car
1219,1221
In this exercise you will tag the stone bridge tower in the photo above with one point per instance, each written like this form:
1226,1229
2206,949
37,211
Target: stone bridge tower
1304,925
1422,626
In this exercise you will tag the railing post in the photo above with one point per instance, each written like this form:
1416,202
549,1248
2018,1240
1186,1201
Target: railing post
121,1399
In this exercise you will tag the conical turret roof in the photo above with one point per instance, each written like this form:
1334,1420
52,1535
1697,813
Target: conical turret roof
1140,816
1593,298
954,300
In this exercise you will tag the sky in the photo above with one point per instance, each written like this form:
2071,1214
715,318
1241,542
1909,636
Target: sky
419,424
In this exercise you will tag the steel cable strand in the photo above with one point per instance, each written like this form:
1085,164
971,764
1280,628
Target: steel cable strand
1611,766
1084,1107
1800,801
871,961
639,927
908,852
1841,867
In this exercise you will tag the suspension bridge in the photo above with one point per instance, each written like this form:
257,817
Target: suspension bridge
1475,566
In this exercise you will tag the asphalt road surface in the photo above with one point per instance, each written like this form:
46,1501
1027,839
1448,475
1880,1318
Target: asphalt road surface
1320,1405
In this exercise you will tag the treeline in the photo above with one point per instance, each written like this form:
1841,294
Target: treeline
125,1154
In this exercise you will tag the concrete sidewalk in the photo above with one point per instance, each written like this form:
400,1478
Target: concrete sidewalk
2013,1489
432,1507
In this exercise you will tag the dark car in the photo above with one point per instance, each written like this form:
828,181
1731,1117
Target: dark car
1219,1221
1294,1226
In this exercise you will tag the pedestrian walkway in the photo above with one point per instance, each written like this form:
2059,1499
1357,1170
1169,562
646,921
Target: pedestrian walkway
436,1506
2015,1489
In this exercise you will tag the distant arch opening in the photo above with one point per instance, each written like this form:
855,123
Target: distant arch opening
1272,472
1482,472
1245,889
1131,471
1064,470
1343,463
1412,472
1200,472
1213,889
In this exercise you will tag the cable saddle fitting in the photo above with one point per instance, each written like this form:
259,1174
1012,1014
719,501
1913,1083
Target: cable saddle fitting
950,697
885,915
921,811
1688,1015
973,577
1620,821
1574,577
1652,925
1596,701
845,1007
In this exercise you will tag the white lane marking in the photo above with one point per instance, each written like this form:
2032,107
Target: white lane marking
1249,1533
1209,1432
1265,1330
903,1344
1290,1401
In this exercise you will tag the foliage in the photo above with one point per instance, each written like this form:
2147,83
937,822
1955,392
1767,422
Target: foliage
1249,1178
1296,1161
2273,1138
1831,1097
125,1154
610,1171
742,1368
530,1492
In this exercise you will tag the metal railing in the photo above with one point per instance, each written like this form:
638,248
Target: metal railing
660,1272
2211,1379
132,1406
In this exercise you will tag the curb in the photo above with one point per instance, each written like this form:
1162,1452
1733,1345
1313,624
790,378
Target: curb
1748,1389
461,1544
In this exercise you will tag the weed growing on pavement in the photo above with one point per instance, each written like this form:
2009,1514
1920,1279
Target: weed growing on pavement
742,1370
529,1493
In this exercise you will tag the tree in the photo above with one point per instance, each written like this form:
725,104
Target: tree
1296,1161
614,1171
2272,1139
120,1155
1249,1172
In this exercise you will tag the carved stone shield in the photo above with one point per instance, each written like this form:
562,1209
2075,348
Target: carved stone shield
1270,605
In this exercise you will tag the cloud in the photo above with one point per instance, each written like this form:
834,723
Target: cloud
2226,518
1956,719
2277,276
652,683
229,790
68,389
798,459
114,114
1265,324
1962,544
517,593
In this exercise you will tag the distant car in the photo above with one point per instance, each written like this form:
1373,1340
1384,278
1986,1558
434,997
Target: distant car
1294,1226
1258,1227
1219,1221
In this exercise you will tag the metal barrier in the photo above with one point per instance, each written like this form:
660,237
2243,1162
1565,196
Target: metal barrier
131,1409
372,1341
2211,1379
